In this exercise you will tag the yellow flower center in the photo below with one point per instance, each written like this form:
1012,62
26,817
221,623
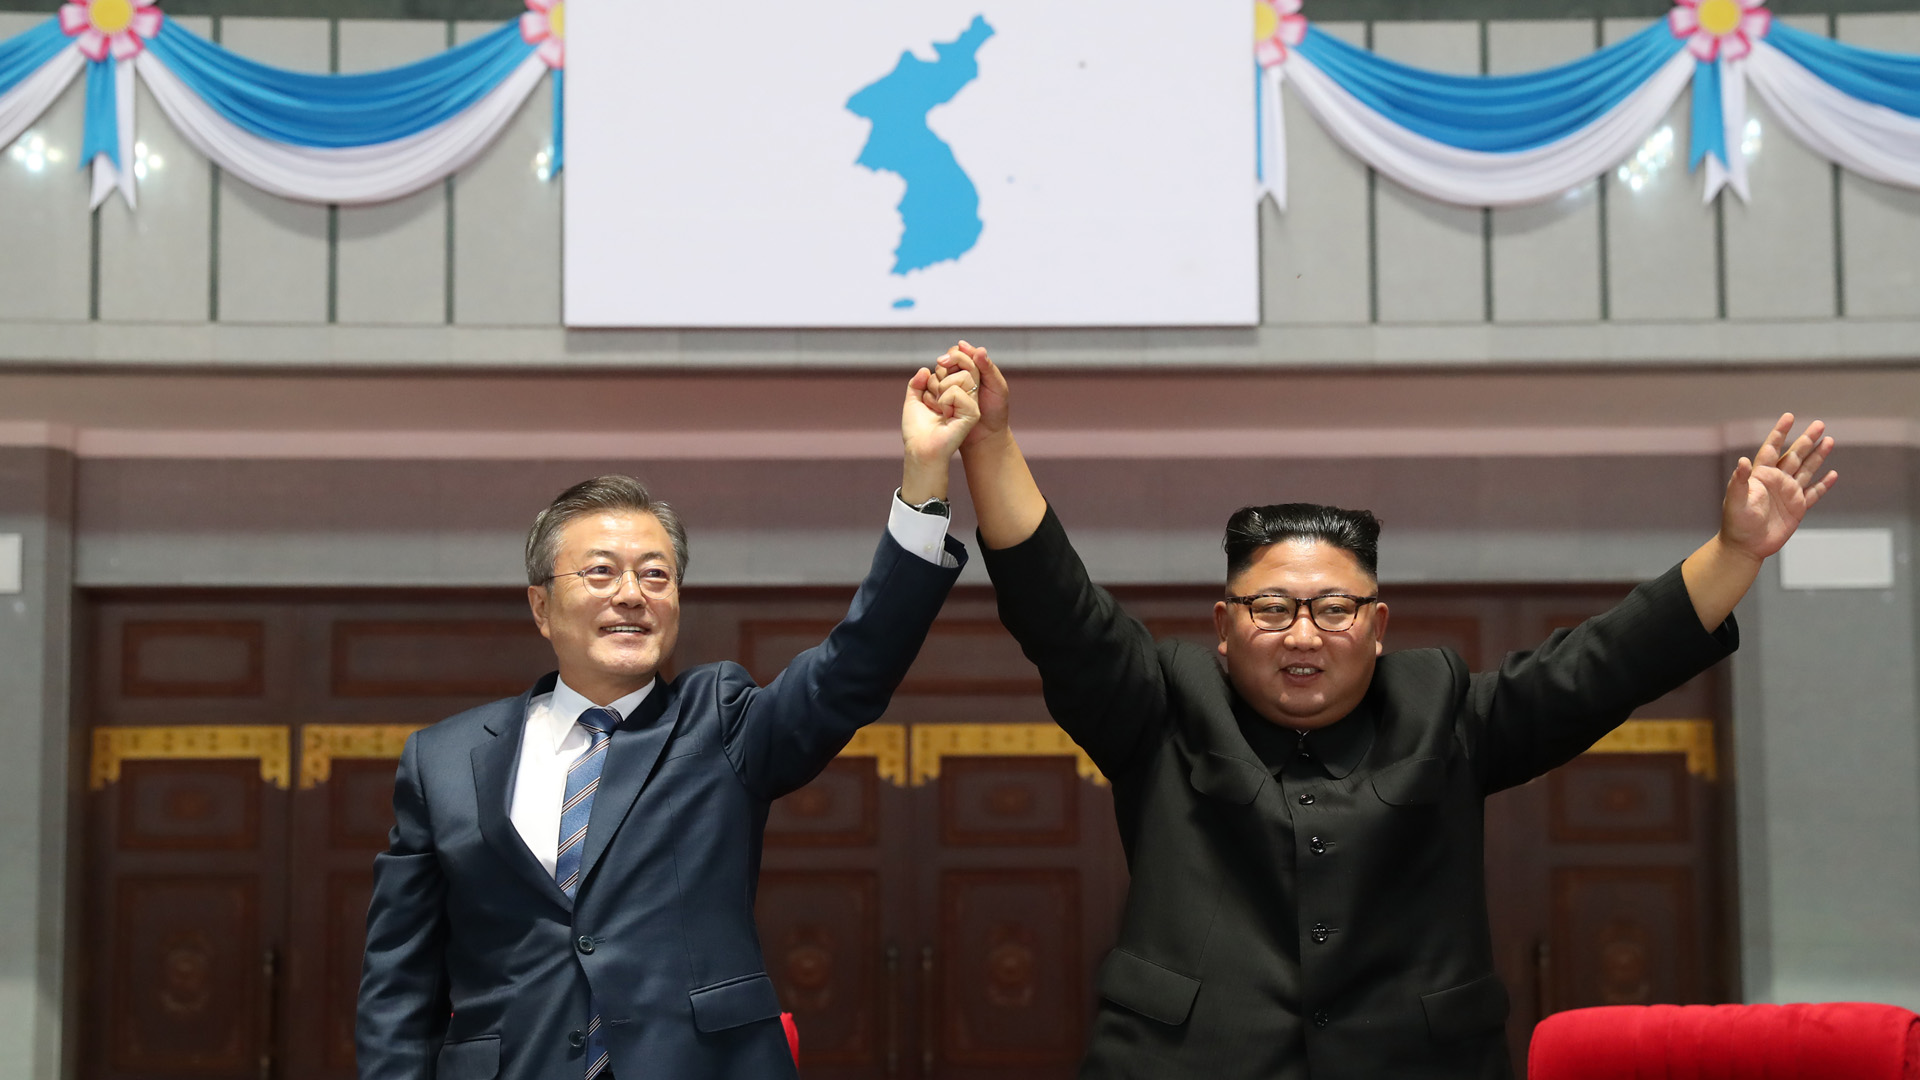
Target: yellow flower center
1717,17
557,20
111,16
1266,21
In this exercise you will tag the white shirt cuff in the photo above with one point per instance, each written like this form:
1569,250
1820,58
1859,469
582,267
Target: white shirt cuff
923,534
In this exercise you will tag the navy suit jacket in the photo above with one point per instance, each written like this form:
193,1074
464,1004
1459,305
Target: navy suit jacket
477,965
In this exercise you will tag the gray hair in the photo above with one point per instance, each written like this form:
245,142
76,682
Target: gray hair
617,493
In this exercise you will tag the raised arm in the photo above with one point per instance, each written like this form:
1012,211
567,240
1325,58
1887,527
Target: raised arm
1766,499
1098,666
781,736
1546,706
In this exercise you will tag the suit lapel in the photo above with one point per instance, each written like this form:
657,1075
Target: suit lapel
631,758
494,765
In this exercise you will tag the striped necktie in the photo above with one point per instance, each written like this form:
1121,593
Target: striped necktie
583,779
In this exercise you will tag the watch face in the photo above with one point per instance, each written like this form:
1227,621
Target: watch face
935,505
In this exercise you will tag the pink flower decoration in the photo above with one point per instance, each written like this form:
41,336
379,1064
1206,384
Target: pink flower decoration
1720,29
545,25
119,27
1277,24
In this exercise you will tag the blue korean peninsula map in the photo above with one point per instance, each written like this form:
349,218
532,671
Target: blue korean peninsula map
941,208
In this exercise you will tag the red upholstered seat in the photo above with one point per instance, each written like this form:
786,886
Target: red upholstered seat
1841,1041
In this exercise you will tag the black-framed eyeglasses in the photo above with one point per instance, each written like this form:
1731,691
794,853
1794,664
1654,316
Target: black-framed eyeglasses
1333,612
605,579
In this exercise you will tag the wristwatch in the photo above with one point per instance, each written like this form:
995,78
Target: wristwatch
935,505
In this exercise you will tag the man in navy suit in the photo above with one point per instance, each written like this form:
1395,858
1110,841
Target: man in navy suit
568,889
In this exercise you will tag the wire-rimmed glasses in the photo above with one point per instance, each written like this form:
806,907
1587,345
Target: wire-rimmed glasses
1332,612
605,579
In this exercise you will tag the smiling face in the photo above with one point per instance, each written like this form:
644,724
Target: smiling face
1302,677
609,646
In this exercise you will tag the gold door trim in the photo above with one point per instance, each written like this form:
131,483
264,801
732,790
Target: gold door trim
321,743
1693,738
886,744
932,742
268,742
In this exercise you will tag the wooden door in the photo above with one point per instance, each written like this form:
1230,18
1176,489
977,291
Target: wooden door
242,780
935,905
1605,880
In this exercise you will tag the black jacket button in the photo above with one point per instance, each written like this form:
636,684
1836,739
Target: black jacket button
1321,932
585,943
1321,1019
576,1038
1317,846
1306,798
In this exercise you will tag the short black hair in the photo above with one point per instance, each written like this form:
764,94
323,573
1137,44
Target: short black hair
1253,529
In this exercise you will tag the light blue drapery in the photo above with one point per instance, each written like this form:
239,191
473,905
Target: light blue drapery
303,109
102,132
1708,135
1495,113
23,54
1882,78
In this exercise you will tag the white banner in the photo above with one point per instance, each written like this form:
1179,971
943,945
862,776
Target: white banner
1077,162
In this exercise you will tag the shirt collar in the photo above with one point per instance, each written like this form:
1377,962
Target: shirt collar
566,705
1339,747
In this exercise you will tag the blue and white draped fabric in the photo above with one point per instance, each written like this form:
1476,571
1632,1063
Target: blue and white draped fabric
1516,139
350,139
341,138
1859,108
1489,140
1471,140
35,69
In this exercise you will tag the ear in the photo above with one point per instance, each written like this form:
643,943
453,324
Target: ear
1379,628
537,600
1222,620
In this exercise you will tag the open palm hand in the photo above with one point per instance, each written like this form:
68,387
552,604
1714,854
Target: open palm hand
1771,492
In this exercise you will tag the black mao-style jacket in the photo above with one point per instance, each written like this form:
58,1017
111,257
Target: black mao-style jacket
1321,914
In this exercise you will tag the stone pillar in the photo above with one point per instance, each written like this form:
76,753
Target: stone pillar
39,772
1827,748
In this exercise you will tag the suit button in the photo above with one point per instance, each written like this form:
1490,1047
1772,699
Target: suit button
1321,1019
1306,798
576,1038
1317,846
1321,932
585,943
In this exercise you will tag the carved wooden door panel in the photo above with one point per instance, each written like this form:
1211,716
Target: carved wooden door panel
934,906
230,896
186,867
1604,876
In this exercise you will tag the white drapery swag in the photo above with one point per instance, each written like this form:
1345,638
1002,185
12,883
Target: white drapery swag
35,94
349,175
1869,139
1474,177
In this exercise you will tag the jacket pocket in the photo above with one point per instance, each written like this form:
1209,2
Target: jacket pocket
1468,1009
1145,987
734,1002
1230,780
469,1059
1422,780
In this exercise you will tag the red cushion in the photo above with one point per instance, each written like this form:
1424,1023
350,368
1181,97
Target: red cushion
793,1036
1839,1041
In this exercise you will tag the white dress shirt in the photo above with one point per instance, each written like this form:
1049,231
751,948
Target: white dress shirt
554,738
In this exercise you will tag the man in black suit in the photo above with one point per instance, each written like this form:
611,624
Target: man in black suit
1304,822
568,890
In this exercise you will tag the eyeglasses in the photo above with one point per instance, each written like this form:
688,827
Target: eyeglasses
604,580
1333,612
